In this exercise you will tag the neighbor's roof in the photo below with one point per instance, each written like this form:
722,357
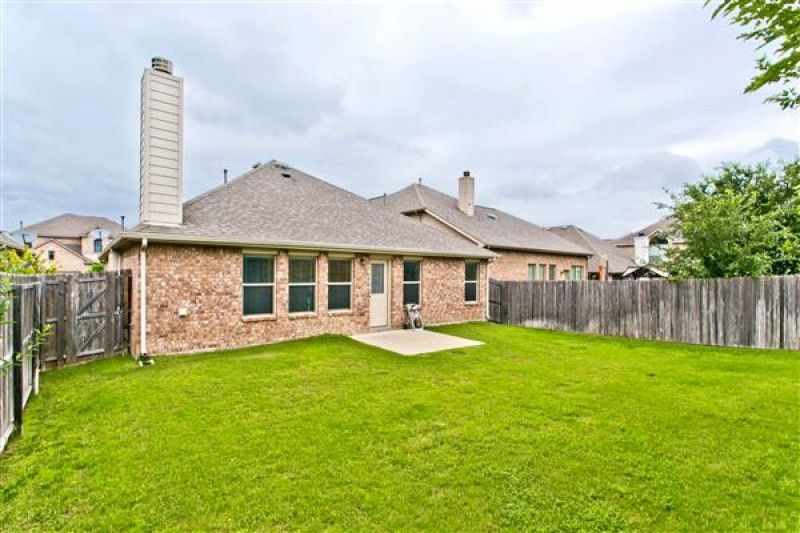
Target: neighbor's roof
7,241
491,227
648,231
603,250
279,206
70,225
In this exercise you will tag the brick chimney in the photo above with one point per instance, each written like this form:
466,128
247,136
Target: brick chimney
161,148
466,193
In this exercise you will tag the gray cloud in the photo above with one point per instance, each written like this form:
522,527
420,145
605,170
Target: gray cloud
566,113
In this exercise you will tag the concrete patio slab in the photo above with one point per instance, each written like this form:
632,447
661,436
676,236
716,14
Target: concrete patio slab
413,342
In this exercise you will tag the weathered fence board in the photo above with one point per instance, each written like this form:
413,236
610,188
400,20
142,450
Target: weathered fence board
89,316
754,312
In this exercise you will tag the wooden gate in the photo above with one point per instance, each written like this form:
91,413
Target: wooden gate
89,315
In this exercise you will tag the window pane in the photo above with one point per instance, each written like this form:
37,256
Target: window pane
339,270
257,300
301,270
471,271
377,281
301,299
411,271
411,293
98,246
552,274
258,269
470,292
542,270
531,272
338,297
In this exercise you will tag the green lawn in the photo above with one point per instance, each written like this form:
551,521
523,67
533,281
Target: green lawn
534,430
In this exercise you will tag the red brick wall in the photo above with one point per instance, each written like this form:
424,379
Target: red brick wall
207,282
513,265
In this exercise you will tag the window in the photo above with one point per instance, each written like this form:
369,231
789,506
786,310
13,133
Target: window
542,272
531,272
98,246
258,281
411,277
471,281
302,284
577,273
51,255
340,273
551,272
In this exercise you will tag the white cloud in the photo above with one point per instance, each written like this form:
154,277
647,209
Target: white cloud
565,111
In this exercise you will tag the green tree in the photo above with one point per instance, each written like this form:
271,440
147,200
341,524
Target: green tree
27,263
775,26
741,221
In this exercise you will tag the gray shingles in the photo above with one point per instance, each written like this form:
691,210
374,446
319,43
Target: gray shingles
492,227
71,225
617,260
278,204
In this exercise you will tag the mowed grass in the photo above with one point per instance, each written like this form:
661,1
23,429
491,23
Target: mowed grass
534,430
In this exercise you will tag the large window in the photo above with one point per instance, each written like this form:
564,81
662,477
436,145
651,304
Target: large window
302,284
542,272
551,272
339,284
576,274
411,281
471,281
258,280
98,246
531,272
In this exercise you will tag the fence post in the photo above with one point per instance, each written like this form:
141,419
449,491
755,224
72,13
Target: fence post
16,349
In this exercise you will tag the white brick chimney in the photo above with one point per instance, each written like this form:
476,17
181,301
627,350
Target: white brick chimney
466,193
161,149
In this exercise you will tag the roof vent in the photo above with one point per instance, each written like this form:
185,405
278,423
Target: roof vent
492,216
286,175
161,64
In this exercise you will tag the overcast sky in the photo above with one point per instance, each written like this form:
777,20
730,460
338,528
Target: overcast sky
565,113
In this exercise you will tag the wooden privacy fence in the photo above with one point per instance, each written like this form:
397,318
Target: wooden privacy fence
89,317
753,312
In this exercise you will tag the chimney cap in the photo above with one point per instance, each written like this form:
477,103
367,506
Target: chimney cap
161,64
466,173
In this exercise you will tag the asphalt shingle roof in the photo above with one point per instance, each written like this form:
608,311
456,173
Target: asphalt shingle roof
6,241
618,261
276,204
492,227
70,225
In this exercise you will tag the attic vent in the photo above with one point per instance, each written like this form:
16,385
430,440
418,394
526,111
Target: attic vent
492,216
286,175
282,166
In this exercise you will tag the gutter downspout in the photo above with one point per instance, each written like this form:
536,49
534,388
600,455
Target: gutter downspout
143,357
487,290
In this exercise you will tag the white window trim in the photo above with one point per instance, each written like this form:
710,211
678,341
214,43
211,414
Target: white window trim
419,282
572,273
340,283
475,281
531,270
270,284
314,261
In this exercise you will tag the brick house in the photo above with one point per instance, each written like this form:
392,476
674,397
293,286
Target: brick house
526,251
274,254
70,242
607,261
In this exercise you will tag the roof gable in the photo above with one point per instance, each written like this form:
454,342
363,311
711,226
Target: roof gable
70,225
275,204
492,227
602,249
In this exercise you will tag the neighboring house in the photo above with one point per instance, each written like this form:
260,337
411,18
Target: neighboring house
607,261
8,242
71,242
526,251
649,245
274,254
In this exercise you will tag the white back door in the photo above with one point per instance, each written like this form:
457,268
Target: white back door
378,294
